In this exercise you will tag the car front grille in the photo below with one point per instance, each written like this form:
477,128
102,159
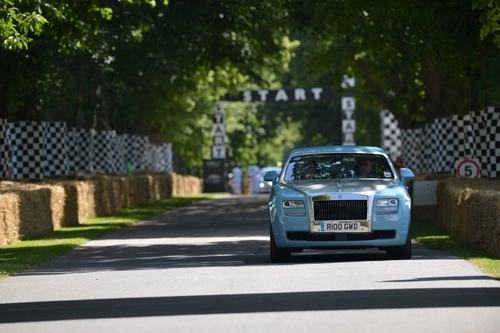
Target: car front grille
339,210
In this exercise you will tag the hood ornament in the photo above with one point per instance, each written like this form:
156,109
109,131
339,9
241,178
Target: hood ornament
339,184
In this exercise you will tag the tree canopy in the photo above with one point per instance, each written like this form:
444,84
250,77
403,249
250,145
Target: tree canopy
157,68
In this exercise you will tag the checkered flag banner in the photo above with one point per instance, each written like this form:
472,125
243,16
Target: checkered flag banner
161,157
25,140
438,145
135,151
4,150
119,154
148,158
80,149
413,149
492,139
441,150
104,145
479,135
55,161
165,163
391,135
462,138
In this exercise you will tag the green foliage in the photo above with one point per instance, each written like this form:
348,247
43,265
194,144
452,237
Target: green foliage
16,25
157,68
419,59
490,18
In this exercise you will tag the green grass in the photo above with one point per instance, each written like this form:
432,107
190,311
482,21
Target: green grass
37,250
430,236
33,251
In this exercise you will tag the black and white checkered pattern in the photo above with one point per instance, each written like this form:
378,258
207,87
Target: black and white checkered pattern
80,149
492,139
34,150
135,151
147,162
441,148
104,145
413,149
437,146
119,155
55,161
462,138
165,163
161,157
391,135
480,144
4,150
426,148
26,143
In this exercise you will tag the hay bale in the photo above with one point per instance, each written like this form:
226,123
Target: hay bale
139,189
110,195
470,210
40,208
186,185
9,218
28,209
161,187
35,215
79,203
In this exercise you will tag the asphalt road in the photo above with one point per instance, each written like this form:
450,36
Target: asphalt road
205,268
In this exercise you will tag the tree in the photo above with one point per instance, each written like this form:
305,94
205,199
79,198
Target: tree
141,67
17,24
490,19
419,59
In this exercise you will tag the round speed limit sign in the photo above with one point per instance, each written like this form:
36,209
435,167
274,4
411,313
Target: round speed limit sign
468,168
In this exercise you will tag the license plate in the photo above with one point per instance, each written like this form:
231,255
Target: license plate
342,226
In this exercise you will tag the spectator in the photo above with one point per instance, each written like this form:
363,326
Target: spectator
237,179
254,175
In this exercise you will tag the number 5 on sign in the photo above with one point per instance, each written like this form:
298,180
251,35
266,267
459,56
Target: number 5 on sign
468,168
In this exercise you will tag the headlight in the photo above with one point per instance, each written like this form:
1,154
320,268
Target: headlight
293,204
387,203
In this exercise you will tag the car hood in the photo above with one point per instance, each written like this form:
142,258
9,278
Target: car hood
319,188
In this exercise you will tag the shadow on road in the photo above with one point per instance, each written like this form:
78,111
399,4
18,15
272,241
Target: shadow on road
247,303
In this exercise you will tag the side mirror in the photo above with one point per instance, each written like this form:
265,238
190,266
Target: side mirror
406,174
271,176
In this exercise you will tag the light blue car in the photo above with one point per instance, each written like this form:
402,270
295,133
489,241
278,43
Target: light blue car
339,197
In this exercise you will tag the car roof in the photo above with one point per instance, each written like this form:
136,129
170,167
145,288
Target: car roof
337,149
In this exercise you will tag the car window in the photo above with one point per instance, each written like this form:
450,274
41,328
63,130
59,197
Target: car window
334,166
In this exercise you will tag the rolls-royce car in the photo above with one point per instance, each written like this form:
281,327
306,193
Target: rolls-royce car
339,197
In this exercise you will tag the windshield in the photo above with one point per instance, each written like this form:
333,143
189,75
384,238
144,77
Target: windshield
334,166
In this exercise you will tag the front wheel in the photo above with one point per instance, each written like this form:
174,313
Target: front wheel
277,254
402,252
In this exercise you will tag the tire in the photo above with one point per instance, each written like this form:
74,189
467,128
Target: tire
402,252
277,254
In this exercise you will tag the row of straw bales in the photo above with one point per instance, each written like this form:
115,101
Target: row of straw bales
468,209
28,209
